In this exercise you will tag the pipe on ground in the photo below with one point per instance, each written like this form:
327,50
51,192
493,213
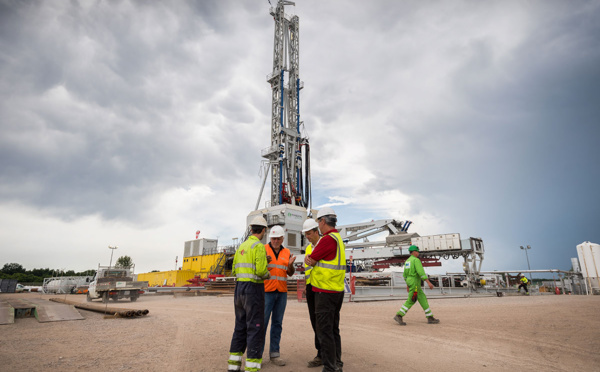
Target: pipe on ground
125,313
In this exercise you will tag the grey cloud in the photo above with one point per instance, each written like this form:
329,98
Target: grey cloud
121,74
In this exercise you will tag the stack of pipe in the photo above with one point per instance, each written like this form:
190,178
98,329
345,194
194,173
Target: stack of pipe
125,313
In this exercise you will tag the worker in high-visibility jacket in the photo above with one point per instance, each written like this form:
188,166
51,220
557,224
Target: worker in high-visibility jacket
281,265
413,275
328,260
250,270
524,281
310,229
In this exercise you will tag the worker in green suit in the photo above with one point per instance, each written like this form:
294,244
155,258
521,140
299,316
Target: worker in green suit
414,274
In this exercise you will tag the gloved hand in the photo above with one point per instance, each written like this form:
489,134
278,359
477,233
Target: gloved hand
414,296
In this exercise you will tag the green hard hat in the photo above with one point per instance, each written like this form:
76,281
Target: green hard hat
413,248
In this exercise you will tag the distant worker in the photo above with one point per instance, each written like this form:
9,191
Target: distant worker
281,265
523,284
310,228
250,270
328,260
414,274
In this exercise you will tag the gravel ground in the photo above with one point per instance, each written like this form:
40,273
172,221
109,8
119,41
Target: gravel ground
514,333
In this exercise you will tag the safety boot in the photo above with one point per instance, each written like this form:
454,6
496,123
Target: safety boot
399,320
432,320
278,361
315,362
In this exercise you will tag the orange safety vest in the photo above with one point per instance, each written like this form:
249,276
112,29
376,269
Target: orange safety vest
278,269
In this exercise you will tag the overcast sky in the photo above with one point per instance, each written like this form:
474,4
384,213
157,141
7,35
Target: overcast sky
136,123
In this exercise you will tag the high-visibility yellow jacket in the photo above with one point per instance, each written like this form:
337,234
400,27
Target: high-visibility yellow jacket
329,275
307,268
524,280
250,261
277,269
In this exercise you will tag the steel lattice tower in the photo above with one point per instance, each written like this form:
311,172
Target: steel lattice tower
288,155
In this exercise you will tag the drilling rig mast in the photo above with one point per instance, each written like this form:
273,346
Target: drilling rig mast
288,156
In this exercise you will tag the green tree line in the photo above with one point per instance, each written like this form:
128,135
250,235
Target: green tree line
17,271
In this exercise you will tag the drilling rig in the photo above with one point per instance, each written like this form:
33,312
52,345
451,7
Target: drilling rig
287,159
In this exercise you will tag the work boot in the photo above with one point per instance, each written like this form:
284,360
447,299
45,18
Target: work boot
399,320
315,362
432,320
278,361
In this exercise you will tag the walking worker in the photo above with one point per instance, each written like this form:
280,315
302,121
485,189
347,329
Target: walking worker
414,274
280,265
328,260
523,284
310,229
250,270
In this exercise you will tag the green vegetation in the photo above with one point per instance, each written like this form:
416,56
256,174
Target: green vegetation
124,262
17,271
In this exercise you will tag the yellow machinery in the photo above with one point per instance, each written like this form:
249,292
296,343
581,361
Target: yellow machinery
201,264
200,259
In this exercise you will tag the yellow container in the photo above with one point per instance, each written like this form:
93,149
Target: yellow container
178,278
199,265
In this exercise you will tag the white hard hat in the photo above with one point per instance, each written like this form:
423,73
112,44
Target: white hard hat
276,232
325,211
259,221
309,224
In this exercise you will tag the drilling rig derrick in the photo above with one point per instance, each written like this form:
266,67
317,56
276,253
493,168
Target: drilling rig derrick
288,156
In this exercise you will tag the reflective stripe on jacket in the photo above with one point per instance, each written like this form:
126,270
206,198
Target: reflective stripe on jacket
250,261
329,275
307,268
277,269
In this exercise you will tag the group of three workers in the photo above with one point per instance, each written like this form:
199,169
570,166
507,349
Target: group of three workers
261,292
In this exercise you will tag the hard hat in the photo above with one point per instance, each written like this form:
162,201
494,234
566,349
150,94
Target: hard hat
309,224
276,232
325,211
259,221
413,248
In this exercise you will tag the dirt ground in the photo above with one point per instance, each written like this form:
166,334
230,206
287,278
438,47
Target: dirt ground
517,333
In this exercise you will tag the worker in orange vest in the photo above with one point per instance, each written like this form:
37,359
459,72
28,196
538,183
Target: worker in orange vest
281,265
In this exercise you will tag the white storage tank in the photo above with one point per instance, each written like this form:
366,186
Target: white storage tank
589,263
575,264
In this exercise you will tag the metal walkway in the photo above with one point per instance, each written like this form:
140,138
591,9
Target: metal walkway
43,310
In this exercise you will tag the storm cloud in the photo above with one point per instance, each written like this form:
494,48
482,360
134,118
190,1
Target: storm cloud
136,123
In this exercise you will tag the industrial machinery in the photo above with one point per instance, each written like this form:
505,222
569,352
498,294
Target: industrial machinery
288,160
288,156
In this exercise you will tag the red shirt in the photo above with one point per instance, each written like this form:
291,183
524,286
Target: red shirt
326,249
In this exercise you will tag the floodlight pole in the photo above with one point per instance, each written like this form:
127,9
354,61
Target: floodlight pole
527,255
112,249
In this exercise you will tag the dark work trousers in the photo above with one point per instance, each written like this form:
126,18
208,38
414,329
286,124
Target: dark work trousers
327,311
310,300
524,285
249,302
